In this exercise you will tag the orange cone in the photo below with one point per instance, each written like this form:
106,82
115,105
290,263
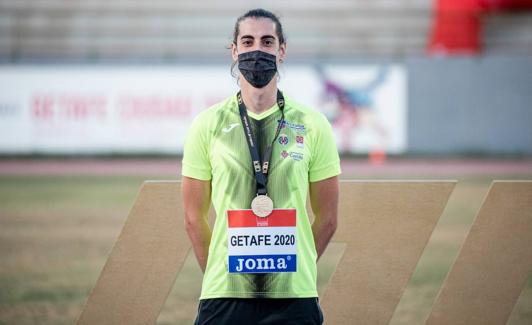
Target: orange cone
377,157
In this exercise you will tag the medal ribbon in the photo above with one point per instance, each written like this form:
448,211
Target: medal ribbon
260,167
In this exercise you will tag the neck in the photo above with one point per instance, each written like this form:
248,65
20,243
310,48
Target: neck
258,100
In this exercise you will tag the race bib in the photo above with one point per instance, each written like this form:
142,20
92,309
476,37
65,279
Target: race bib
262,245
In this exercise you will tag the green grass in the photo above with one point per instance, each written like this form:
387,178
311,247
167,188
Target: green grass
56,233
65,193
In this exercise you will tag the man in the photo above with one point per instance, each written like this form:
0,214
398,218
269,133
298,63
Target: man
259,150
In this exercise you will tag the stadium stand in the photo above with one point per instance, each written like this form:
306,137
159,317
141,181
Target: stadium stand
508,33
167,30
163,29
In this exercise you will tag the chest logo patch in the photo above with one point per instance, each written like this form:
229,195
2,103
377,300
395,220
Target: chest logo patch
300,141
297,156
300,128
230,127
283,139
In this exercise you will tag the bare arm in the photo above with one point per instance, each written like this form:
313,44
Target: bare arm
324,202
196,200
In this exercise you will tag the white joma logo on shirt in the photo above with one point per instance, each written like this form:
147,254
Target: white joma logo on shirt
230,127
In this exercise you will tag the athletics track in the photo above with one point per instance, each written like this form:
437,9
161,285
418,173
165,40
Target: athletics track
350,166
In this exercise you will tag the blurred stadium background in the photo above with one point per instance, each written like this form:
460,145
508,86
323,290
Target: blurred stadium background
96,97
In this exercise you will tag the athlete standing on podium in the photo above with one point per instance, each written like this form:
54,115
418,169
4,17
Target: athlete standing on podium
256,156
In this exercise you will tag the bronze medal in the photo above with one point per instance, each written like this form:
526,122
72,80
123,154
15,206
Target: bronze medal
262,206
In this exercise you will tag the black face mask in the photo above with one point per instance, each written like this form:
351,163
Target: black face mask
257,67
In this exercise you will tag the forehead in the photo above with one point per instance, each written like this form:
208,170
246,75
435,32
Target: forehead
257,27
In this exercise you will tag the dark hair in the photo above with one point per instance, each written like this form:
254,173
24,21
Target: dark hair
260,13
256,13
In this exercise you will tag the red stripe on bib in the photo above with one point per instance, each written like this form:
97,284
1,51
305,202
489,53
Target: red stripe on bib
246,218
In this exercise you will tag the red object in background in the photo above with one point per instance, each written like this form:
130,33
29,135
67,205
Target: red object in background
494,5
457,27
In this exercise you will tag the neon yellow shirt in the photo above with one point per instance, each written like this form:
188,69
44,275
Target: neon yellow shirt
216,150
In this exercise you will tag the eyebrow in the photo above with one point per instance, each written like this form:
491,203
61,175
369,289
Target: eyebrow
262,38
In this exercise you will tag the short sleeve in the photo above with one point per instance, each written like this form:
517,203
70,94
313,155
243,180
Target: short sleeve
325,162
196,163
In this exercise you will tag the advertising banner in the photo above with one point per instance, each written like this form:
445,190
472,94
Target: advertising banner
147,109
